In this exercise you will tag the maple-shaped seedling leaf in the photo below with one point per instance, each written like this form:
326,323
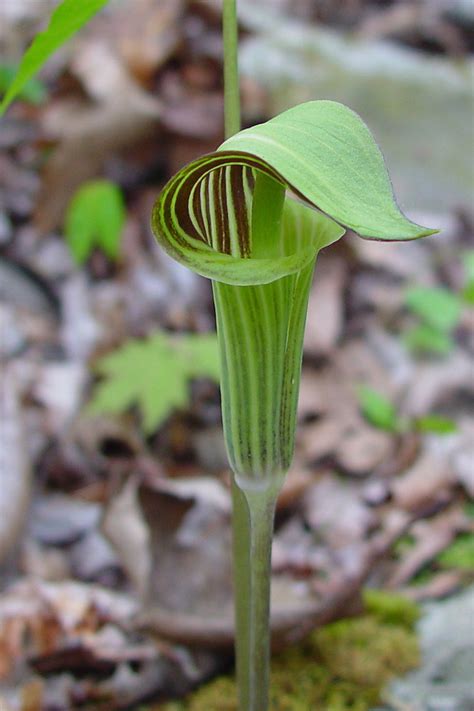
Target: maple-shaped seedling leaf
153,374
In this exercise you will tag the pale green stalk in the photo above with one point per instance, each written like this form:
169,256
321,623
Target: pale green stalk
253,529
231,68
253,512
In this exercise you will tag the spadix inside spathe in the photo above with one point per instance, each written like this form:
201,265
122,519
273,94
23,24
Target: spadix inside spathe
204,218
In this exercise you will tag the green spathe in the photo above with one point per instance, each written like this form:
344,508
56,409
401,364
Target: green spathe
326,153
322,152
245,216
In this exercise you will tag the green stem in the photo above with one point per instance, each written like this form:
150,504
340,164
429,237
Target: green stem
253,530
231,68
253,512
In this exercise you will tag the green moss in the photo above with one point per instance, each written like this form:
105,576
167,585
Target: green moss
341,667
460,554
391,609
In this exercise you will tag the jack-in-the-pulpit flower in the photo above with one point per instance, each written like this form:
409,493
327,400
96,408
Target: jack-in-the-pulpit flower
252,217
245,216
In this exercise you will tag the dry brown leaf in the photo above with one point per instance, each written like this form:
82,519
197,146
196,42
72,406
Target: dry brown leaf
363,449
190,546
124,526
431,537
441,585
326,307
296,483
406,450
321,391
426,484
38,618
147,37
336,511
436,382
122,115
321,439
193,115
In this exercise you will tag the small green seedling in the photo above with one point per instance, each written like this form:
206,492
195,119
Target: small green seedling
95,218
435,424
436,306
460,554
154,375
377,409
381,412
468,263
425,339
439,311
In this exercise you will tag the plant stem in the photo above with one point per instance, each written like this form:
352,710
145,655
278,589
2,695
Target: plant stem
253,514
231,69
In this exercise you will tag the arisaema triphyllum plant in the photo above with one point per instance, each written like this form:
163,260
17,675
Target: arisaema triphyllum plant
253,217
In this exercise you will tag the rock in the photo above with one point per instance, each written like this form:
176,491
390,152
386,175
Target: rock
444,681
59,389
23,289
416,105
60,520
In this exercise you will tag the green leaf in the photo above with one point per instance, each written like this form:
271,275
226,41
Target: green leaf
34,91
153,374
321,151
469,509
460,554
95,218
468,293
425,339
435,424
66,20
468,263
436,306
327,155
377,409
